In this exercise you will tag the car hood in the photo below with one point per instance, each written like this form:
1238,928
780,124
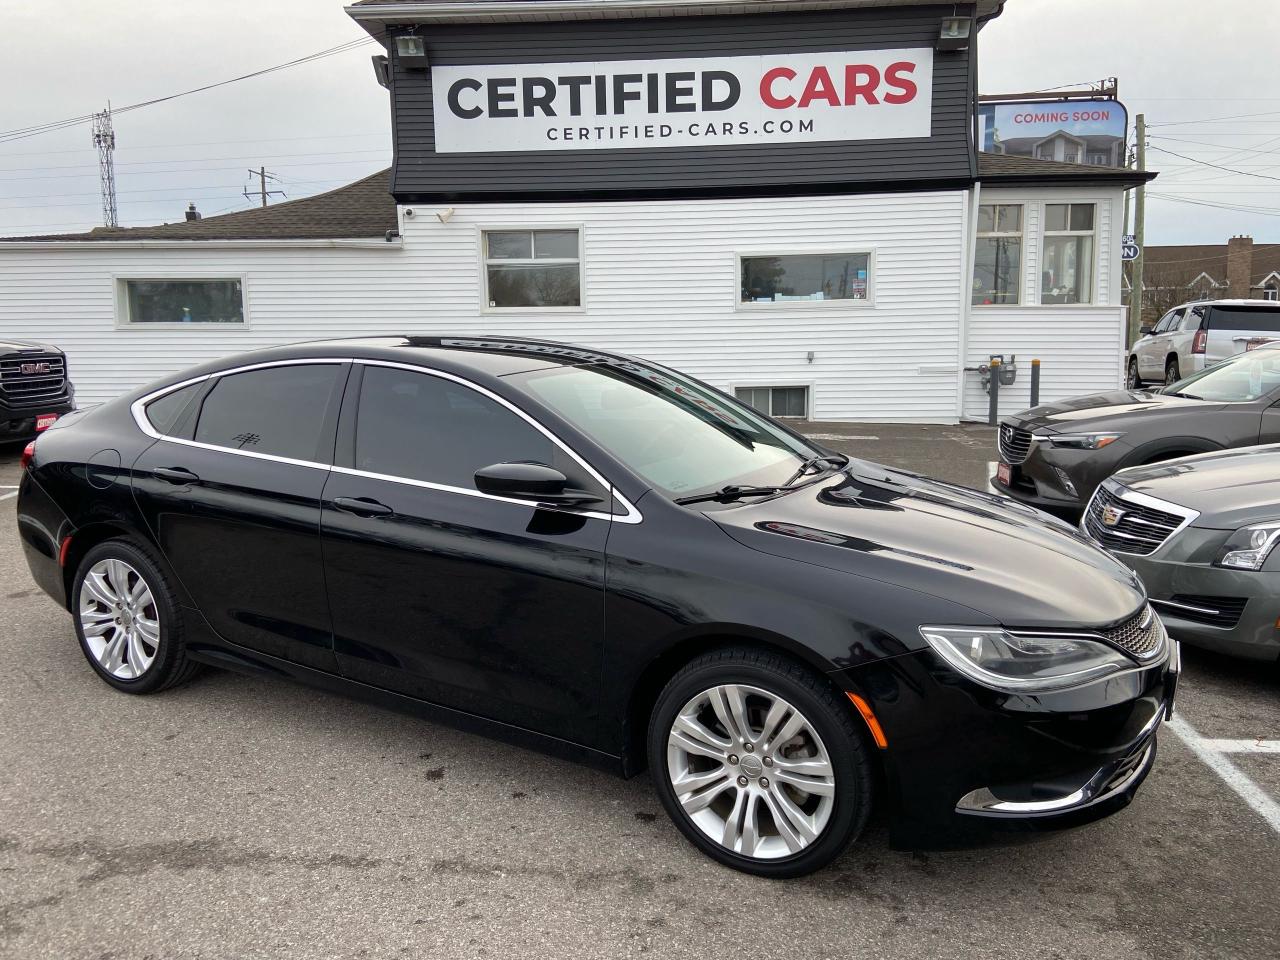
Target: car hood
1015,565
1229,489
18,346
1103,410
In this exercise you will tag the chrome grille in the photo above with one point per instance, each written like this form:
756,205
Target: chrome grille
1014,444
39,386
1141,636
1138,529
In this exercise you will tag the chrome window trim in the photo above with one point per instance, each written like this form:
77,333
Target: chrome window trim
1121,492
138,411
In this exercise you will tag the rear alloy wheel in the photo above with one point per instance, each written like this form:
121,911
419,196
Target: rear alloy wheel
1171,375
127,619
759,763
1131,379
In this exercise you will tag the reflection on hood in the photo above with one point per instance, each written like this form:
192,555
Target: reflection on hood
852,543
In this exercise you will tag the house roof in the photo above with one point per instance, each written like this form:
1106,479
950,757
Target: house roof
1182,264
376,15
1010,168
364,209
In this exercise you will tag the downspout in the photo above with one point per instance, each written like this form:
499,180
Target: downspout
970,218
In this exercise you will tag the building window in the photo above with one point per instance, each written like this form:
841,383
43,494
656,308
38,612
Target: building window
1270,293
533,268
776,401
182,301
1067,273
806,278
1099,159
997,259
1071,155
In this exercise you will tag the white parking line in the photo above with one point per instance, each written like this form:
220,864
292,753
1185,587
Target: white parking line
6,496
837,436
1260,745
1231,775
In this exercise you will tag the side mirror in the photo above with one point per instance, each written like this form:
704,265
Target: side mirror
530,481
1145,329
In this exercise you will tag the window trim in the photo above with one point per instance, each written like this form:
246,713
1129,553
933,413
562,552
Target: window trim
121,299
482,255
774,306
808,386
1094,252
138,410
1022,253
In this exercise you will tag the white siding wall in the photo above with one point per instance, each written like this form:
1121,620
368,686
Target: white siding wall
1081,348
660,281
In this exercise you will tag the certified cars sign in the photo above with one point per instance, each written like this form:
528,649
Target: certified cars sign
716,101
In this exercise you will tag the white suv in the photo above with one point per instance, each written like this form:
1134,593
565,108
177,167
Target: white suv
1196,335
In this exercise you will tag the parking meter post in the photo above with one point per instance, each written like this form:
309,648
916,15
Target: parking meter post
1035,383
994,392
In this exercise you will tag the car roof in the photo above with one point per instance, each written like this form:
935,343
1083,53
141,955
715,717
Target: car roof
494,356
1237,302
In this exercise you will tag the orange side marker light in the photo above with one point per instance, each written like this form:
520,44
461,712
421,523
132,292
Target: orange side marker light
864,708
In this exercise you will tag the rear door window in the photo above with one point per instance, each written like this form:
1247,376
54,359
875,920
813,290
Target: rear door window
1260,319
280,411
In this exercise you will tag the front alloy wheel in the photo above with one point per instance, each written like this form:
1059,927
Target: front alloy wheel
750,771
760,763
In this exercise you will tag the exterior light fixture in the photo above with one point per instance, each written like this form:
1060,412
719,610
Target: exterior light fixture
411,51
954,33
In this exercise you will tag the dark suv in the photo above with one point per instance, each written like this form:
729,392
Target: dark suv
34,389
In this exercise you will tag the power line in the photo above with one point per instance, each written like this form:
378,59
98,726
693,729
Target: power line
22,133
1237,116
1217,166
1238,208
211,143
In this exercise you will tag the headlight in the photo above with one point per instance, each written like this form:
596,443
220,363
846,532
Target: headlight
996,658
1249,547
1080,441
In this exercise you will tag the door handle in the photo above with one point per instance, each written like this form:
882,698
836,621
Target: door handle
176,475
362,507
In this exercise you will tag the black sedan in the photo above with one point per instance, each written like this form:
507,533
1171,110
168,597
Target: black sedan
1054,456
602,558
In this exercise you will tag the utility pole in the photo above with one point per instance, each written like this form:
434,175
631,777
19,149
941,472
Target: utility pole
262,191
1139,232
104,138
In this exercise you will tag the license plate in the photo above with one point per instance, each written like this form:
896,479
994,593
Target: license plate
1004,474
45,420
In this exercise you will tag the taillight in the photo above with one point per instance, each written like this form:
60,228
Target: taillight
28,453
1201,338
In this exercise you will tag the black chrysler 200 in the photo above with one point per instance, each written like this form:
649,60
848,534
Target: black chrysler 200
602,558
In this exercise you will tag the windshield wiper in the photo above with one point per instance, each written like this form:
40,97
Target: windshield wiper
735,491
837,460
1189,396
731,492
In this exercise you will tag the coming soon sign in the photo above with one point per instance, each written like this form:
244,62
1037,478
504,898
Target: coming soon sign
862,95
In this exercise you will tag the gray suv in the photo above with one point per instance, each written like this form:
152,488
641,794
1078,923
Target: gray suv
1193,336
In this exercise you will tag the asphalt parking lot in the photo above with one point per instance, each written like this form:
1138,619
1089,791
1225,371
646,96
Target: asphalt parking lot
238,817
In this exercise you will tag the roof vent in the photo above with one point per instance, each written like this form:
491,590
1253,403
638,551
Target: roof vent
192,212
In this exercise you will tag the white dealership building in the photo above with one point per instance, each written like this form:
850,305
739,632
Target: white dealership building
784,199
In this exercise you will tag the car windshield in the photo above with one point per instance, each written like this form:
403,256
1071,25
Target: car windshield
1246,376
675,433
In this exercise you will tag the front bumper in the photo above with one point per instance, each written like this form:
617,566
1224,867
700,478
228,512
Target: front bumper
19,425
962,758
1058,479
1171,573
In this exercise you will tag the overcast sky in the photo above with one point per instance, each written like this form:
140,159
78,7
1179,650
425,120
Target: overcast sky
1183,63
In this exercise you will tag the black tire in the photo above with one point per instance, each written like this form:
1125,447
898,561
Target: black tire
1171,373
170,665
1133,381
826,712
